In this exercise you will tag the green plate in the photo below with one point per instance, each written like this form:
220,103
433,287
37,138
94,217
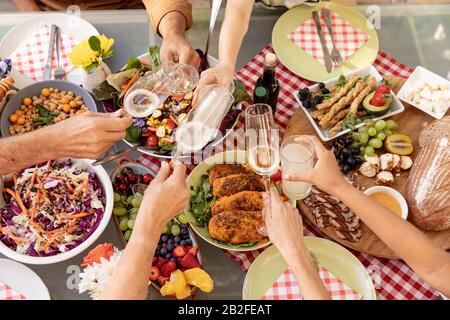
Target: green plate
269,265
303,64
235,156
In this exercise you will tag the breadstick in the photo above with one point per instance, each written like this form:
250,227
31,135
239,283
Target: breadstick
339,93
371,84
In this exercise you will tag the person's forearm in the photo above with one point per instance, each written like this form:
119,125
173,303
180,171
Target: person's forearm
234,28
302,266
18,152
130,278
173,24
25,5
430,262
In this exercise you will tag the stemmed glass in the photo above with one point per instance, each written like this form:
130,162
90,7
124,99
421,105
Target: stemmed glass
262,142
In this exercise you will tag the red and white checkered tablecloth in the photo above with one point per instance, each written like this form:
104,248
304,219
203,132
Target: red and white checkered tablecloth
348,38
286,287
31,56
393,279
8,293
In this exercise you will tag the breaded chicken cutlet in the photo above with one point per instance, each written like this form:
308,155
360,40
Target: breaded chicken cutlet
244,200
235,183
222,170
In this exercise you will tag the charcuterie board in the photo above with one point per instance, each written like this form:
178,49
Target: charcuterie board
411,122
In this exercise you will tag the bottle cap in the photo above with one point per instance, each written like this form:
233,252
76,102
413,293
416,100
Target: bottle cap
260,91
271,58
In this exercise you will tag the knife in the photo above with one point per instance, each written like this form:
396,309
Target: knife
48,64
326,53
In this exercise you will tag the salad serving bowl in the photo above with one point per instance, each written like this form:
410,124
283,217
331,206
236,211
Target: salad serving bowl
91,236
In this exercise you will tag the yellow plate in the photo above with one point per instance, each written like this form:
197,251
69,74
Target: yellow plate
193,180
269,265
303,64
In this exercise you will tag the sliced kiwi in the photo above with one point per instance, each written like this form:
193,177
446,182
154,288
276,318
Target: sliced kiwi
399,144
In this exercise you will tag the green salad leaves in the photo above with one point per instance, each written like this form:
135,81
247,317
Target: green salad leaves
45,116
201,200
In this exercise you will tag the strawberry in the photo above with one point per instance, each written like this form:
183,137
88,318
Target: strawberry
168,268
154,273
384,89
276,176
193,251
154,260
179,251
189,261
160,262
162,280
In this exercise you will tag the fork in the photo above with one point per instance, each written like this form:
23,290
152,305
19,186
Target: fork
335,54
60,74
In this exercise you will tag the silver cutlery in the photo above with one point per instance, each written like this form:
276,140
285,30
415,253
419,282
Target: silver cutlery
335,54
113,156
48,64
215,8
60,74
326,53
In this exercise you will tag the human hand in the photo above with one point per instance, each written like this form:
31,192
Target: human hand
220,75
325,174
88,135
175,48
283,224
165,197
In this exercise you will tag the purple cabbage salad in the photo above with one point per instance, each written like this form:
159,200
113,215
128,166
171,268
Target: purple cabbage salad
51,208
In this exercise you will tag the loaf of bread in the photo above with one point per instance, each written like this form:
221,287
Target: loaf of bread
5,85
428,189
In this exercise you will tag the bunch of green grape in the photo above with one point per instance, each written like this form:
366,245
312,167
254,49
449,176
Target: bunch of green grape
126,209
372,134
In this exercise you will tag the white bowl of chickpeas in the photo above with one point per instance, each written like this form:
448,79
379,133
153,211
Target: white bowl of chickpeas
44,103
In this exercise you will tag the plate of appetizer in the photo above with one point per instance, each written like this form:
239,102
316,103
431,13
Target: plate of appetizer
305,65
336,106
54,211
156,133
177,248
44,103
392,152
427,91
225,206
269,265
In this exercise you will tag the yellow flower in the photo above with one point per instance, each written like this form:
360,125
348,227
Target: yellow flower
82,56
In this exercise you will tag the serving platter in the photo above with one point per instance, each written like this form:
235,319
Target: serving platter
410,122
269,265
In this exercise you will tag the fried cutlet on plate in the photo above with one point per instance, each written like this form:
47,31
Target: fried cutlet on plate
244,200
223,170
235,183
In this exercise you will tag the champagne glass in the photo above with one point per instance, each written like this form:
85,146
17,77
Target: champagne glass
262,142
297,155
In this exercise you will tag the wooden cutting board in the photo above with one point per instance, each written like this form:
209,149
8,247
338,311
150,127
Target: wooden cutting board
410,122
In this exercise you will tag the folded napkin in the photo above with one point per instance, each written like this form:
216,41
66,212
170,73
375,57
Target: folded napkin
31,56
5,67
287,288
8,293
348,38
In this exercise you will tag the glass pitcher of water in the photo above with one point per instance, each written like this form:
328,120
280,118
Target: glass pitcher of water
150,91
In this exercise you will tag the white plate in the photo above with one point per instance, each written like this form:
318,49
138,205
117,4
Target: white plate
71,25
397,106
108,191
23,280
428,77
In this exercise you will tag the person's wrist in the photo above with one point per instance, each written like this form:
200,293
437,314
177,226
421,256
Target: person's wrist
338,186
172,25
150,218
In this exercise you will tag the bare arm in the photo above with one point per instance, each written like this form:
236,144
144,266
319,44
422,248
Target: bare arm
26,5
86,136
288,238
431,263
164,198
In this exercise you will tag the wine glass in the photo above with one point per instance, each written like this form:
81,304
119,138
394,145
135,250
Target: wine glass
262,142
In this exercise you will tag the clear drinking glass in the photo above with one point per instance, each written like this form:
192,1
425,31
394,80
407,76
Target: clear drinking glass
262,143
297,155
150,91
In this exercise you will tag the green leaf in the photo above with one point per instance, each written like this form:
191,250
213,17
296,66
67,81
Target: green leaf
132,134
155,59
240,94
107,54
104,91
341,81
92,67
133,63
43,112
326,96
95,44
